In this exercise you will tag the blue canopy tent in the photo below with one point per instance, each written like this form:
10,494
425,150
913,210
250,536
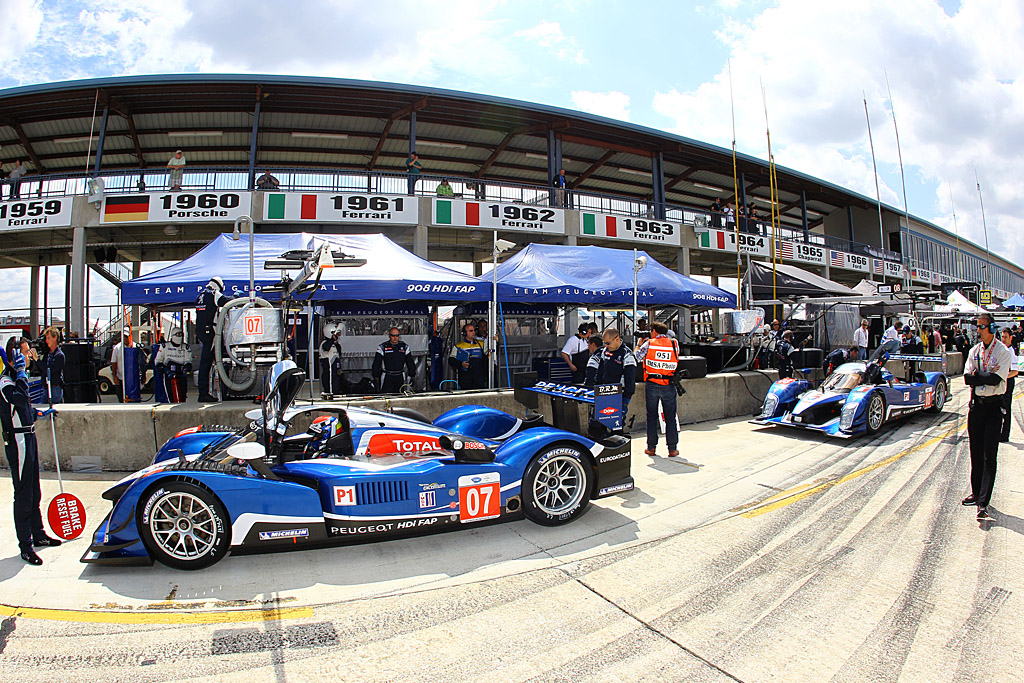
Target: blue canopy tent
390,272
1016,301
551,273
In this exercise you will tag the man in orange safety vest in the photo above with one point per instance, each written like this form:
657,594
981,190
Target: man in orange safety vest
659,357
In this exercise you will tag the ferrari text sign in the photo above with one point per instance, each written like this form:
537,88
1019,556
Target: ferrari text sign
515,217
37,213
333,207
609,227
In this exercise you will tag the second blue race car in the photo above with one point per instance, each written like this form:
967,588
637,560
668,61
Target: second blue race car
353,474
856,398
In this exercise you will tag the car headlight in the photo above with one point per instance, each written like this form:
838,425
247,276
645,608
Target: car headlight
846,419
771,402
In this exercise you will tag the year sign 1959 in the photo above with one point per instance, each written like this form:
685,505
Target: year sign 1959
43,212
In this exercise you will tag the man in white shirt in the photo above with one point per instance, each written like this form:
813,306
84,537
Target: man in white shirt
177,170
985,371
860,339
576,354
117,361
893,333
1007,338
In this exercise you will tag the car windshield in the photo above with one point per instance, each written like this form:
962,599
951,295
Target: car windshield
842,381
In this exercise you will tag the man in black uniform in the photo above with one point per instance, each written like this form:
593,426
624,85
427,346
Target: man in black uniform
576,355
784,354
393,361
330,362
17,417
616,364
211,299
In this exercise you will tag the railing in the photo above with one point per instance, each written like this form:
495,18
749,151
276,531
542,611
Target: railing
378,182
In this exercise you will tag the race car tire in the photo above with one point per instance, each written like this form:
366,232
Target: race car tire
104,386
183,525
557,485
938,397
875,417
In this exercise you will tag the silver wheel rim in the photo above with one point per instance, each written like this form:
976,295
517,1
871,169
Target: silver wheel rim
875,413
183,525
940,395
559,485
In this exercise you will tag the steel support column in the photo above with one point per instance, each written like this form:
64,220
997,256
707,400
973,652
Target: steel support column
554,162
849,220
658,180
253,138
686,317
33,304
803,215
101,141
412,132
77,283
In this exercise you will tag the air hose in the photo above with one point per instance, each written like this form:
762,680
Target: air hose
218,346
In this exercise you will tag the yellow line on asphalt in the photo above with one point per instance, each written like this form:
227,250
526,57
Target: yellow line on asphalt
771,506
180,618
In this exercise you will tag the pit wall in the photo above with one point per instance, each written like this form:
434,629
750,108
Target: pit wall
123,438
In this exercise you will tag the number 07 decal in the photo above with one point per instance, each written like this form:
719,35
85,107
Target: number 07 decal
479,497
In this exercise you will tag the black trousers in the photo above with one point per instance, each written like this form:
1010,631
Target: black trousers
1007,412
391,383
23,460
984,420
206,359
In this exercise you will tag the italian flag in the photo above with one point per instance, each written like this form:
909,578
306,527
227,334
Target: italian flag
712,239
593,225
291,207
448,212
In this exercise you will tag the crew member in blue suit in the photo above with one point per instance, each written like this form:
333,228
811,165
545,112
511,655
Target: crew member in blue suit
391,362
17,419
469,358
616,364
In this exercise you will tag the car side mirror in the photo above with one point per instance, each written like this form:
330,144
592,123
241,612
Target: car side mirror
247,451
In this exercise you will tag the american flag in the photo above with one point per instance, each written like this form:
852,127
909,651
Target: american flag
876,265
784,248
838,259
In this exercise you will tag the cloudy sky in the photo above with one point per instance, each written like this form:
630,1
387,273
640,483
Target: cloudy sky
953,68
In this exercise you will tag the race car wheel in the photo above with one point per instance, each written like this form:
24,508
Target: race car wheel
104,387
556,486
938,397
876,413
184,526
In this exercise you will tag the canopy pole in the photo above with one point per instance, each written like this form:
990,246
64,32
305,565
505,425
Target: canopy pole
878,196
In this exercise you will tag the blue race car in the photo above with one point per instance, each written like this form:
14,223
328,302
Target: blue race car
353,475
857,398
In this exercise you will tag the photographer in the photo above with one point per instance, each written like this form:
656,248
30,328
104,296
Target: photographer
53,367
659,357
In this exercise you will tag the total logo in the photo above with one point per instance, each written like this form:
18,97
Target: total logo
382,444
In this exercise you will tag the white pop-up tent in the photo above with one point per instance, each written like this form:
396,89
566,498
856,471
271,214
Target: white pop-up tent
958,303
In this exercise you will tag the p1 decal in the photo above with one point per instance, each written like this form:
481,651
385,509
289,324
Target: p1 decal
479,497
344,495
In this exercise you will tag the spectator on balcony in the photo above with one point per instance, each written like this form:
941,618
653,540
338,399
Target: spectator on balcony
730,217
176,170
444,189
753,221
560,183
268,182
142,184
15,175
414,169
716,212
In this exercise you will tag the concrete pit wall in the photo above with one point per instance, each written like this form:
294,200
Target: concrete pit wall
123,438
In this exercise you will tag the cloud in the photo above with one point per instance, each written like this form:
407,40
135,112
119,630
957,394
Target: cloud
614,104
549,35
956,82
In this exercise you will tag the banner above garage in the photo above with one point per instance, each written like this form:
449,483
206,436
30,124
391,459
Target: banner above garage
553,273
390,272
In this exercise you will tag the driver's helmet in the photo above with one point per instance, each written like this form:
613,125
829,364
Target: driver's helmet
322,429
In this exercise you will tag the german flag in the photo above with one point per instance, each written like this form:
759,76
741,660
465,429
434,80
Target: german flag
128,208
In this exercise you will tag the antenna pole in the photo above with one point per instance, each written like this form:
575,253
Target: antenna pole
874,166
903,181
